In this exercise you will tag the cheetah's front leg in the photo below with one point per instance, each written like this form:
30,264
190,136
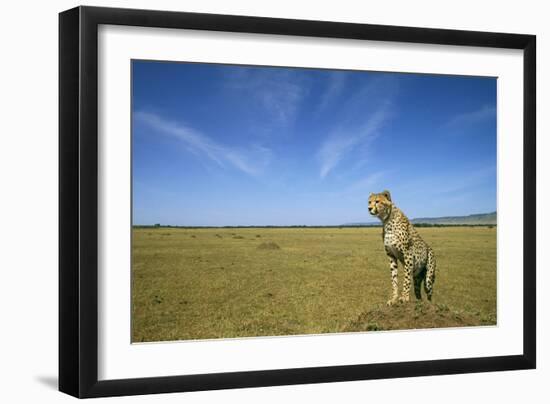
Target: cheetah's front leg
408,267
394,285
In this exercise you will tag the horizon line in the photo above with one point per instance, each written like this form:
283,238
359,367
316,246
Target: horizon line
348,224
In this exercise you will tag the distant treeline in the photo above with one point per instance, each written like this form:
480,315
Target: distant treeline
154,226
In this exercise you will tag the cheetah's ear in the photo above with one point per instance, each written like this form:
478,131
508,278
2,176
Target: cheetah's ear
386,193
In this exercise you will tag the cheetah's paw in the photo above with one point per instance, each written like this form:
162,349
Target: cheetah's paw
392,301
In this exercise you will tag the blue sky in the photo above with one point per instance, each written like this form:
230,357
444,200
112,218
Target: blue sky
220,145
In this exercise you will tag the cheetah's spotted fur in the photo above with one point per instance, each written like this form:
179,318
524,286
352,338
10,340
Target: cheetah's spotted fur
403,243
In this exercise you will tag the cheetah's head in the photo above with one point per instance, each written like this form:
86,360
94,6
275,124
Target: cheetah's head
380,204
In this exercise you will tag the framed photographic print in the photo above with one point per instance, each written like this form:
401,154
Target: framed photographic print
250,201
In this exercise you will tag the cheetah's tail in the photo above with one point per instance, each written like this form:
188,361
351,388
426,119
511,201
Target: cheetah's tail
430,275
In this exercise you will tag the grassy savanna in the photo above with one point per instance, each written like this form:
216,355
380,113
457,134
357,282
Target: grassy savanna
192,283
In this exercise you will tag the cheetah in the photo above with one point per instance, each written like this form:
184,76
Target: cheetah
403,243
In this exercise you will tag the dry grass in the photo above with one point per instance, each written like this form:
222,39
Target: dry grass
220,283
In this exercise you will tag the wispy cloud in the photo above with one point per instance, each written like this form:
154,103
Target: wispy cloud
278,92
354,190
451,183
366,183
482,114
251,160
340,142
335,87
454,192
467,181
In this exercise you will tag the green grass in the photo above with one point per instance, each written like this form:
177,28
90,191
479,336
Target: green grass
235,282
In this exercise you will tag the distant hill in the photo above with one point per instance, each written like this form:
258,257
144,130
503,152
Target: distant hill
475,219
480,218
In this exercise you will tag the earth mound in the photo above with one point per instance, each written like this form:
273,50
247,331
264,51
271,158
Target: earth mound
414,315
269,245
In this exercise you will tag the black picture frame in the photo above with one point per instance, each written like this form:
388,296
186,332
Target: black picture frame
78,201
